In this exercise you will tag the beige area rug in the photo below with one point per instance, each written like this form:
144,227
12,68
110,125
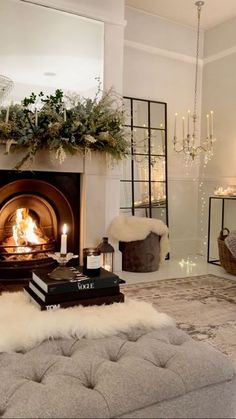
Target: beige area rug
204,306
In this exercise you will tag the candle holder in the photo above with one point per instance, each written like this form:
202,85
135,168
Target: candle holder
62,272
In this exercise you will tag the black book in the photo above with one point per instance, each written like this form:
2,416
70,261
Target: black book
79,282
109,299
70,296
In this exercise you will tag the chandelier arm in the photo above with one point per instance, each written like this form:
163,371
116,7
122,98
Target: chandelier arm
185,149
201,148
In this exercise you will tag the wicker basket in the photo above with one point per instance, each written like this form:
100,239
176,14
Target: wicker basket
228,262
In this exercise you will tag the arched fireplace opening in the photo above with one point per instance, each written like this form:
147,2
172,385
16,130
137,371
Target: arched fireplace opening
33,208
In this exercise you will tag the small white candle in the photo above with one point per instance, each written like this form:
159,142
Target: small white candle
7,114
212,128
208,126
64,240
36,117
189,112
65,115
175,124
183,121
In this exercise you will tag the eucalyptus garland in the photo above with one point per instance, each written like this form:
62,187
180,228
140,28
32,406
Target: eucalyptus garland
44,122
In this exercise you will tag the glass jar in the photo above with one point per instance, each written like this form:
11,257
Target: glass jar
91,261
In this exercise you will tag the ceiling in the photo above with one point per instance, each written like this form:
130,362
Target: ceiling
214,12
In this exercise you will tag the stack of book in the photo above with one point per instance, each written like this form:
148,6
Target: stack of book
51,294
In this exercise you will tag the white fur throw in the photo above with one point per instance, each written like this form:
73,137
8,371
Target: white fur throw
23,325
129,229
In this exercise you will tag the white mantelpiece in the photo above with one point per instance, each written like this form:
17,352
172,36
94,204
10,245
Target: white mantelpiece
99,189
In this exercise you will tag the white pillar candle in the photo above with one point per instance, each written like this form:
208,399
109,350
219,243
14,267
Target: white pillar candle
64,240
212,128
65,115
208,126
183,122
175,124
188,133
7,114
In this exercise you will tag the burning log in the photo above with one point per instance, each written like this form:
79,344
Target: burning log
27,238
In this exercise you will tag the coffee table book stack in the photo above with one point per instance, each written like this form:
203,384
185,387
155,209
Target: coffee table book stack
77,289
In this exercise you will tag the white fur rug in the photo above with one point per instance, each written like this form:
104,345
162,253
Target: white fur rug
23,325
127,229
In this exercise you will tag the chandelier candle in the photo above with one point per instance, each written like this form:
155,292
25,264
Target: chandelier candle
175,124
212,113
63,250
188,123
208,126
183,120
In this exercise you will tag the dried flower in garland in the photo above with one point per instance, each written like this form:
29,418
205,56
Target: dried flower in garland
85,125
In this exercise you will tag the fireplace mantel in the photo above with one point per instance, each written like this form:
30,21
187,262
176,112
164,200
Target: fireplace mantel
99,189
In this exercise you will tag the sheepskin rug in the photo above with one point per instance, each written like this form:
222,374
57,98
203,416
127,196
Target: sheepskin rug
127,229
23,325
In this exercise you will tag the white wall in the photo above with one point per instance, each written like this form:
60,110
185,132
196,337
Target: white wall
69,47
159,65
159,58
100,182
111,12
219,93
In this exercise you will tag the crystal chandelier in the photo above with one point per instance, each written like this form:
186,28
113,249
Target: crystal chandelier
188,143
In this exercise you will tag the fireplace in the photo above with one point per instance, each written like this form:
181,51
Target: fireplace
33,208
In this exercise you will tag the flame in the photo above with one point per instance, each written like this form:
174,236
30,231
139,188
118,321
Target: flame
25,231
64,229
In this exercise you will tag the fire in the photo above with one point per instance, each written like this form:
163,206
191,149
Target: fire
26,241
25,231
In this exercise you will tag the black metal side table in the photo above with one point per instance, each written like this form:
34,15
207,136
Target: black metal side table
222,198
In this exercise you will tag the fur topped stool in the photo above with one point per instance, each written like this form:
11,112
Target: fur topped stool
143,242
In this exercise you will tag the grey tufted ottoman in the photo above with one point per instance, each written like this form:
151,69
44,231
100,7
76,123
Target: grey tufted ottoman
160,374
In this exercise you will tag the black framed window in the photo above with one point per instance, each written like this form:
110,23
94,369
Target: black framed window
144,176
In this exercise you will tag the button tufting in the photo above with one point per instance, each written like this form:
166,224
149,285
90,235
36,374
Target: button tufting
133,339
176,343
67,352
37,379
90,386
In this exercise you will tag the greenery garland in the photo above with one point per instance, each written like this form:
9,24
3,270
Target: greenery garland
86,125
